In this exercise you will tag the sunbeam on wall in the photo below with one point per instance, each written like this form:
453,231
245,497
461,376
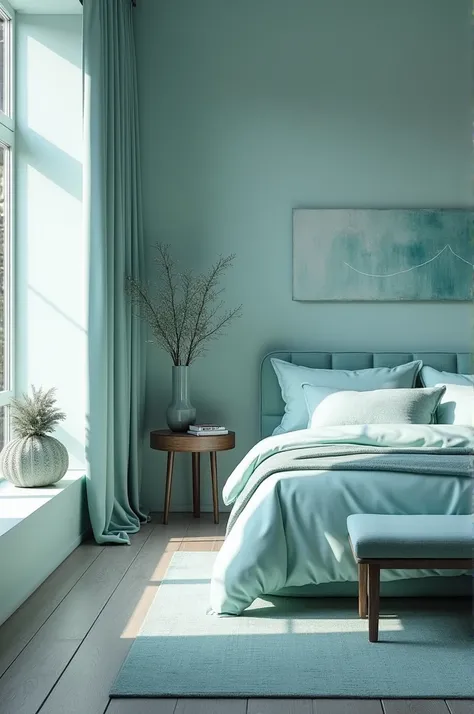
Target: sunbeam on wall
54,97
51,254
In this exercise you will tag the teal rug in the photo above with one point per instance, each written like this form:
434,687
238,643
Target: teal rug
299,647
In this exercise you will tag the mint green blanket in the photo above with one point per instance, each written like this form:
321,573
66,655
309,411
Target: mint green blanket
292,494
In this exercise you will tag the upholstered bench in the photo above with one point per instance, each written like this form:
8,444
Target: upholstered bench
378,541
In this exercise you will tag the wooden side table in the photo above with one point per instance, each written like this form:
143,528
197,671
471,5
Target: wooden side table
173,442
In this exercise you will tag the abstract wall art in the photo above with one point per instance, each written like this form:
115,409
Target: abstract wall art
383,254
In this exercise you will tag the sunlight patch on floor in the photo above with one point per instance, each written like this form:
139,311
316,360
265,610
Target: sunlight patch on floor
135,621
198,543
133,626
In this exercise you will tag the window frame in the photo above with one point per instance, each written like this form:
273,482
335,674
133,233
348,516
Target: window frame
7,118
7,140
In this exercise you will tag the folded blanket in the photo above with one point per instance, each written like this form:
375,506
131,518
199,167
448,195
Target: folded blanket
397,436
424,460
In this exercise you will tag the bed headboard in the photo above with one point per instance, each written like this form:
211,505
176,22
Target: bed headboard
272,406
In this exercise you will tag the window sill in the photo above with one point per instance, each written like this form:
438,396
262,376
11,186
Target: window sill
16,504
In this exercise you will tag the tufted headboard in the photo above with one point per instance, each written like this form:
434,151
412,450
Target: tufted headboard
272,406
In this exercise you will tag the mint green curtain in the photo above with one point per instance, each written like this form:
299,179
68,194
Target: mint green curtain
112,202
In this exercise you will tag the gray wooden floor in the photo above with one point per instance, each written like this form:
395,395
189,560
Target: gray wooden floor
61,651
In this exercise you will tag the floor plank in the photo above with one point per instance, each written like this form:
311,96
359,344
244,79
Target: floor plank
205,530
347,706
30,678
205,526
99,658
211,706
280,706
141,706
415,706
18,630
461,706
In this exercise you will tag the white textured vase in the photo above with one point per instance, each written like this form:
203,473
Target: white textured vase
34,461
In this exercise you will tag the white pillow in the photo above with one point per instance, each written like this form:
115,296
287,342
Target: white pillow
457,403
456,406
291,377
330,407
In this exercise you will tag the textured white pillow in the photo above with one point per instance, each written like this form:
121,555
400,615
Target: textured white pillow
291,377
457,403
329,407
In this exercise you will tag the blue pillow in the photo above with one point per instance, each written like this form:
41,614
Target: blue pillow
291,377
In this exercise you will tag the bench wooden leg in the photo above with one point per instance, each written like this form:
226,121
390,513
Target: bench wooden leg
363,577
374,602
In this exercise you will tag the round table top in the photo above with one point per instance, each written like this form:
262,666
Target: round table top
166,440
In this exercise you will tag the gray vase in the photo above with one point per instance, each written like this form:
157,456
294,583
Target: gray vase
180,413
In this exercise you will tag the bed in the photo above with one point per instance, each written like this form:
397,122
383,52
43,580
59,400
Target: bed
292,493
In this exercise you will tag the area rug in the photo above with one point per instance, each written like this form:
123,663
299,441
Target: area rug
294,647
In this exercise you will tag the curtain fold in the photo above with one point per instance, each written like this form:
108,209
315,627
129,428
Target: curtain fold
113,224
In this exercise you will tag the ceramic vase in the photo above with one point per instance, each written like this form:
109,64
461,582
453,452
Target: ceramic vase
34,461
180,413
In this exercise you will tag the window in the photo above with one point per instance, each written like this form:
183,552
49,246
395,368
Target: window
5,62
2,63
7,142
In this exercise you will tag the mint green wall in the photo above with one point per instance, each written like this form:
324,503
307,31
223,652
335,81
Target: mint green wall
251,108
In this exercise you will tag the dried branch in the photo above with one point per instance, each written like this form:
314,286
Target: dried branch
146,310
215,332
168,268
184,311
208,297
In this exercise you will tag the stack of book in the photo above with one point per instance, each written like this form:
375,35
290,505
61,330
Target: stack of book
207,430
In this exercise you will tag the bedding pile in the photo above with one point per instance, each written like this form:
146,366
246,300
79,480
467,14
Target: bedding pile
292,494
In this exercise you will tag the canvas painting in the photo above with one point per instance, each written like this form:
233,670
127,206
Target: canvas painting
384,255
